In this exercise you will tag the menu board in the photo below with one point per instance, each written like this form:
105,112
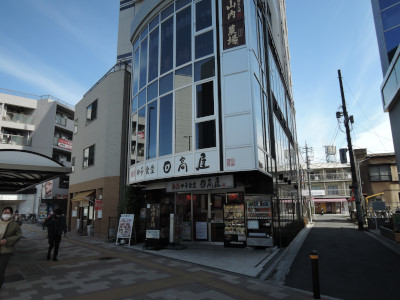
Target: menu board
125,227
201,230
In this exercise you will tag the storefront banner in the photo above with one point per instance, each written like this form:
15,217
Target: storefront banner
125,226
233,23
65,144
205,183
201,162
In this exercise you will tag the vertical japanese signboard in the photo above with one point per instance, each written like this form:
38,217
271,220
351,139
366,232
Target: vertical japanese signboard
233,23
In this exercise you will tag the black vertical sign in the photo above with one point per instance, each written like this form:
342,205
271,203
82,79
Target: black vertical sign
233,23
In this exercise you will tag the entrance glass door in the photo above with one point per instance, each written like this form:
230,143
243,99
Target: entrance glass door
200,217
184,212
217,217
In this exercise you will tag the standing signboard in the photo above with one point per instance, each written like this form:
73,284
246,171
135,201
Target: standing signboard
125,227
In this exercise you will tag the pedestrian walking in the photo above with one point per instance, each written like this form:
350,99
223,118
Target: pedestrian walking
10,233
56,225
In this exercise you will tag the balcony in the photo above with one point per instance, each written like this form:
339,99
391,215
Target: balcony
330,176
18,118
61,121
62,143
15,140
338,192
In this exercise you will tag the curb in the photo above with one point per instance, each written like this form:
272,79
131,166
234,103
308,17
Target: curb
277,270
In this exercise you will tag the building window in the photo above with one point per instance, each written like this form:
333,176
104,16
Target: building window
76,126
63,182
205,135
88,157
91,112
333,190
380,173
205,99
73,164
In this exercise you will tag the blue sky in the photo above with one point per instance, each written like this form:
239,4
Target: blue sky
62,48
325,36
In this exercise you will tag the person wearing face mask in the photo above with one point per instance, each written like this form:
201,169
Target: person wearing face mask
10,234
56,225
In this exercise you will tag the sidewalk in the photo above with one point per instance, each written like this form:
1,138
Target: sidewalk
93,269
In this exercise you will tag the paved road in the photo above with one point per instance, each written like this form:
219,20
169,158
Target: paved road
352,264
90,269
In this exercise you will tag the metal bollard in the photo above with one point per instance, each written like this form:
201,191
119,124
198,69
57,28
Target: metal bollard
315,273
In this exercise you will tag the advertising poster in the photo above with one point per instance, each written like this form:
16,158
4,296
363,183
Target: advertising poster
125,227
47,190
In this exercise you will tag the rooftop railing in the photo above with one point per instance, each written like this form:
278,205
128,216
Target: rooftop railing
35,97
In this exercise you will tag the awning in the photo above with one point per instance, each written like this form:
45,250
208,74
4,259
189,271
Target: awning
21,169
330,200
82,196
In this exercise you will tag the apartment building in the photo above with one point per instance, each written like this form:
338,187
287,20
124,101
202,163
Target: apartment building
99,154
330,188
213,135
44,125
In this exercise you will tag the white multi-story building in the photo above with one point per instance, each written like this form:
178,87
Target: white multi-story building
330,187
213,135
39,124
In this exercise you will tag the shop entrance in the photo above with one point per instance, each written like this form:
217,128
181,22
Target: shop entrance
201,216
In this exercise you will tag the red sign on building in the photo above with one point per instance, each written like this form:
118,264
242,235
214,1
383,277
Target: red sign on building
98,204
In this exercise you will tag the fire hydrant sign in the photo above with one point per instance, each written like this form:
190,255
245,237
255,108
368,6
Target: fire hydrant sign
125,227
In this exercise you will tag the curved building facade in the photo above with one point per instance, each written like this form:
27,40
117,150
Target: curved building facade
213,137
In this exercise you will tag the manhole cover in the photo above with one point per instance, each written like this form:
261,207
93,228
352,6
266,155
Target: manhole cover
105,258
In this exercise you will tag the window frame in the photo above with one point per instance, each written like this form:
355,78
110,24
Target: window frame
88,157
92,118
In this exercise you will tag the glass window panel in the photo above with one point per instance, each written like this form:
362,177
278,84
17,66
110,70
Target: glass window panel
183,76
386,3
136,73
204,44
152,91
154,23
205,99
136,44
204,69
142,98
205,135
144,33
203,14
181,3
258,112
184,36
152,130
266,122
390,17
166,83
134,139
153,54
183,120
143,64
141,131
167,37
166,12
392,39
134,104
165,126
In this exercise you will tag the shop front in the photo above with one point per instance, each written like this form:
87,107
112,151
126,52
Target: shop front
331,206
207,210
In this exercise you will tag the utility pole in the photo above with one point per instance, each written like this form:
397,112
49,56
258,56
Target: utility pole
310,206
360,213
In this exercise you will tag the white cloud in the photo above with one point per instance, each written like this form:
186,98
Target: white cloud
40,75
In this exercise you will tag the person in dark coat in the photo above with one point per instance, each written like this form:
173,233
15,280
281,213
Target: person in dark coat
56,225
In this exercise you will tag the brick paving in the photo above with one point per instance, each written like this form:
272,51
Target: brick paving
92,269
